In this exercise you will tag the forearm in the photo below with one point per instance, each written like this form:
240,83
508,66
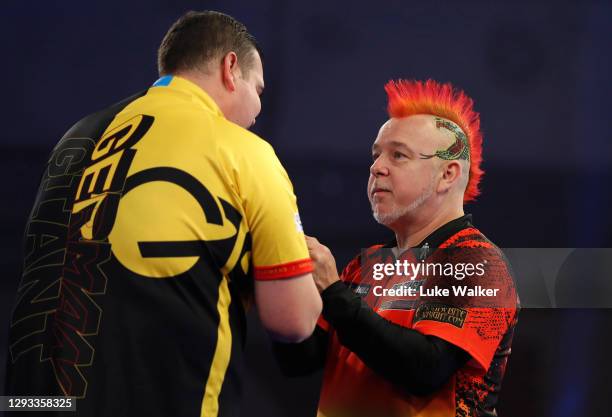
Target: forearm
288,308
405,357
298,359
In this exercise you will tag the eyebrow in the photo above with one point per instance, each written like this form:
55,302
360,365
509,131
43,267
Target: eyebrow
394,144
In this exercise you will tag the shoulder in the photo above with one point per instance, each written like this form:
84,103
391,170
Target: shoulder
470,237
243,139
196,127
247,152
471,247
469,244
94,123
355,265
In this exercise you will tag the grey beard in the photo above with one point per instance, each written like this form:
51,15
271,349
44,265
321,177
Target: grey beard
386,219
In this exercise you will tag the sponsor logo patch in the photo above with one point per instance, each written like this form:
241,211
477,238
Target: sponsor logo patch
298,223
442,313
361,289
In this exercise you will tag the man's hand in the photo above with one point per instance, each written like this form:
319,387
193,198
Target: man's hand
325,272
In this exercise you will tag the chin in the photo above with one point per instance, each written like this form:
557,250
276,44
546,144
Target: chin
383,217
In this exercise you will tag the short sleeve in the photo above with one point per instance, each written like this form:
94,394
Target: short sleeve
468,317
279,248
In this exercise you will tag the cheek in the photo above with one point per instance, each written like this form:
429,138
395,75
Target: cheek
369,187
254,103
410,189
257,104
403,186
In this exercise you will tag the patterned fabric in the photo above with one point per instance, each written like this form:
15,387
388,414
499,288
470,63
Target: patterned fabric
151,222
481,325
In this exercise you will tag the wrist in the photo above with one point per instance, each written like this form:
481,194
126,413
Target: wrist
324,285
339,303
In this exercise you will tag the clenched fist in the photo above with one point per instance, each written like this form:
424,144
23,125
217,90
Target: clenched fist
325,272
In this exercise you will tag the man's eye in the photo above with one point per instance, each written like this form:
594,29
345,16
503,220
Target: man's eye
398,155
375,156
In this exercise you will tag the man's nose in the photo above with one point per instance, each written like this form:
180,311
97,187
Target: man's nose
379,167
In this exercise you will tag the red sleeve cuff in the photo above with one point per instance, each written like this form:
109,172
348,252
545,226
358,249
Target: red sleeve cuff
282,271
482,354
322,323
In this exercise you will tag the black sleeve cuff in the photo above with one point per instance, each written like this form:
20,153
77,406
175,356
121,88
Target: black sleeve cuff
340,304
390,349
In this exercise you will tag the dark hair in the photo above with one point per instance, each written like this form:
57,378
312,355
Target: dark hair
196,38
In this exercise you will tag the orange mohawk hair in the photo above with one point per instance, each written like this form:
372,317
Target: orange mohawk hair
407,98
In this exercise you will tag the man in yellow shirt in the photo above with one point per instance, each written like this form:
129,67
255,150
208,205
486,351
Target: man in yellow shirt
156,222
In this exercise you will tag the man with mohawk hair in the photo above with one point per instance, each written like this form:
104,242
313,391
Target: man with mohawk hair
399,345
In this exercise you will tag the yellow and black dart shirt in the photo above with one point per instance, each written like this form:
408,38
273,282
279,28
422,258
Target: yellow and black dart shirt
152,219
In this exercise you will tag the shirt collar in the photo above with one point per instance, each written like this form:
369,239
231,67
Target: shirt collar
441,234
198,95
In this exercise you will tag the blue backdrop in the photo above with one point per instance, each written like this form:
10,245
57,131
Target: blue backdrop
539,73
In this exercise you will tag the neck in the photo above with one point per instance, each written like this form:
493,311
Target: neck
412,233
208,83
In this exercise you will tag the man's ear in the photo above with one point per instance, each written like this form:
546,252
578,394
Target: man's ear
230,70
451,174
